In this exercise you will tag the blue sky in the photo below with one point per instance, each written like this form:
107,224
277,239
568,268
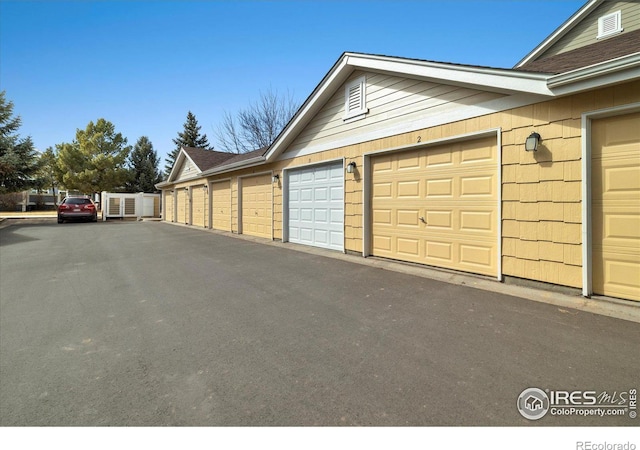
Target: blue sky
144,64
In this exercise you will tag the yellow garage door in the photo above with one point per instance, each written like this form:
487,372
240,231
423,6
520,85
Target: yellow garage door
181,205
438,206
256,205
615,193
199,213
168,206
221,207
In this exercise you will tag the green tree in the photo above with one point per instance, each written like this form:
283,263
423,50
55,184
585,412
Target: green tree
190,137
18,157
49,174
96,160
143,167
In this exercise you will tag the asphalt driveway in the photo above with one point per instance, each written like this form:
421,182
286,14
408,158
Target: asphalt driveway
149,324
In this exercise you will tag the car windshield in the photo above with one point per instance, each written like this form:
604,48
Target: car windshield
77,201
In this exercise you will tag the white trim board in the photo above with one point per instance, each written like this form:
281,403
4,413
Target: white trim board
470,112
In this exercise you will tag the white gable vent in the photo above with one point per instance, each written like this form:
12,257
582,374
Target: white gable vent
355,99
610,24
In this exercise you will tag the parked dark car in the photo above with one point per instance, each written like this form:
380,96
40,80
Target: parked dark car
77,208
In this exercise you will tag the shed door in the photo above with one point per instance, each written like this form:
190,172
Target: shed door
316,206
256,206
438,206
198,206
221,207
615,193
181,205
168,206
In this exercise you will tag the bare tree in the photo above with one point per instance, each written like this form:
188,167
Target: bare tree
258,125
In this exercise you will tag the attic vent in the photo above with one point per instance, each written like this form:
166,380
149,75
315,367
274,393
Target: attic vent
610,24
355,101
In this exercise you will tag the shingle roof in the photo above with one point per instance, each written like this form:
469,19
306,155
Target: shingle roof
206,159
624,44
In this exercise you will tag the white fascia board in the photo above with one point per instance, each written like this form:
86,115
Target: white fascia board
625,68
496,80
559,32
182,155
235,166
336,76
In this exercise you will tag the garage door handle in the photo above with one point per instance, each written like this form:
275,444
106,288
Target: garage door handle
423,221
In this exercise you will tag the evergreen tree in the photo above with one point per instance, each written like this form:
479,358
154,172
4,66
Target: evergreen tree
49,174
18,157
96,160
190,137
143,167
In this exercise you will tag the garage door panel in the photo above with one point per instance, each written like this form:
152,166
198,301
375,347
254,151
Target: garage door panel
476,255
442,251
198,199
439,219
458,205
257,205
316,206
221,205
168,207
439,158
439,188
337,218
477,186
383,190
615,191
181,206
477,221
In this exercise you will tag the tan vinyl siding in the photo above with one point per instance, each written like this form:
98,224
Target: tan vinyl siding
391,101
187,170
541,192
586,32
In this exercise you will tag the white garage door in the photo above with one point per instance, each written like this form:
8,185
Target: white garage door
316,206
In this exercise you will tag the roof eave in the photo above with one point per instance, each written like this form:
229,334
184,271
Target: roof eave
498,80
625,68
235,166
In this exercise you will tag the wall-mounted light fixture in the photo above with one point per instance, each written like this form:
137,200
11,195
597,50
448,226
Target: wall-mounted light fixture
532,142
275,178
351,167
205,187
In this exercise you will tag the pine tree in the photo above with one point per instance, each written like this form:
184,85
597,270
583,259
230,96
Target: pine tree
18,157
96,160
190,137
144,167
